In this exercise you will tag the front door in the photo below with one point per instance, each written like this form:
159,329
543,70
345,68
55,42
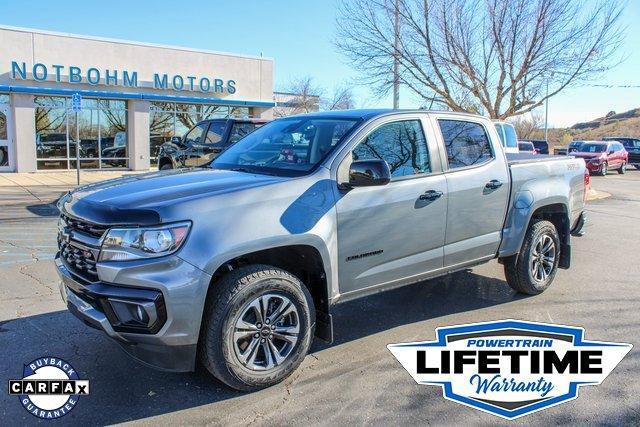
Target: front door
6,161
213,142
478,188
392,233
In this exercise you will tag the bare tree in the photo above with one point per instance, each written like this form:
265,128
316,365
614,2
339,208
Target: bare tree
303,97
528,126
340,99
490,56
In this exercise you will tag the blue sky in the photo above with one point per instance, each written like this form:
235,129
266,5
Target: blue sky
297,34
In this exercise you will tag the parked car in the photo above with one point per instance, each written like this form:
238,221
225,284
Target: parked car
526,147
508,137
239,263
632,145
573,146
541,146
603,156
202,143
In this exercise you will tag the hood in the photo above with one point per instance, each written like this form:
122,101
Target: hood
141,199
583,155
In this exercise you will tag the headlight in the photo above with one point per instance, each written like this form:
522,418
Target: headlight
125,244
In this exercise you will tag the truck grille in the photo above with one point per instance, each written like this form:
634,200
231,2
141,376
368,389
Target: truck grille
75,224
79,245
80,261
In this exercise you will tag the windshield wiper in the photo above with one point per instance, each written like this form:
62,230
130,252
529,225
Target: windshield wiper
243,169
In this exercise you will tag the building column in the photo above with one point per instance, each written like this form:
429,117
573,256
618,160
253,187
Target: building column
138,134
24,132
265,113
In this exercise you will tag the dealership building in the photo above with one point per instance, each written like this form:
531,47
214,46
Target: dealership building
135,96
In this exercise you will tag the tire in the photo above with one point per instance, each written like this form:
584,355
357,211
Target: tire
520,269
623,168
604,169
237,299
166,167
637,166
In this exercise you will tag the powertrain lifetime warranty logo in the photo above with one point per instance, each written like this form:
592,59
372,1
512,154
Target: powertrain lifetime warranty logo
510,368
49,387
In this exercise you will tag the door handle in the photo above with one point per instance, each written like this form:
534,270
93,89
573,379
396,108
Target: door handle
493,184
430,195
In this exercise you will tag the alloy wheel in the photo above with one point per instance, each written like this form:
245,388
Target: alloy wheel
543,258
266,332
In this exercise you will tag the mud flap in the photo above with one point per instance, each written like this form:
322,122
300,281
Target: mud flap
324,326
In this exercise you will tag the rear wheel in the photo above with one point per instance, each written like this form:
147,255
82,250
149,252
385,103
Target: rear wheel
534,268
623,168
257,328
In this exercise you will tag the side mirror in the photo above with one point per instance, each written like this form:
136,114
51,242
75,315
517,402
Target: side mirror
611,152
368,173
176,140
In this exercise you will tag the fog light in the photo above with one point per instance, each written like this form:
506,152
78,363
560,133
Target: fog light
131,313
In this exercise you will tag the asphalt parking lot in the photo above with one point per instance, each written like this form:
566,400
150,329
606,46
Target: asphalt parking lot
355,380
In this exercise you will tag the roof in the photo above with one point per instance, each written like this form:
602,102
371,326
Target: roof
367,114
128,42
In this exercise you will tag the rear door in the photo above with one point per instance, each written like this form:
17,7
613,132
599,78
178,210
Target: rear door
478,189
392,233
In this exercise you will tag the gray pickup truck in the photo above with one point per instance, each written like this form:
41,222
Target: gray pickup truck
238,264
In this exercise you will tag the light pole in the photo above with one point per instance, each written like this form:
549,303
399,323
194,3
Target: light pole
546,115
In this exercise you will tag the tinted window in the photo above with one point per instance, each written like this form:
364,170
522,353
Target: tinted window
466,142
401,144
240,130
215,132
525,146
287,147
195,135
593,148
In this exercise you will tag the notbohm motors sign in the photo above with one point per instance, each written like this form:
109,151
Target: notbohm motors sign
510,368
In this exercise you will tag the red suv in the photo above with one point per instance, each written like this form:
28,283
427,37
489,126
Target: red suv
603,156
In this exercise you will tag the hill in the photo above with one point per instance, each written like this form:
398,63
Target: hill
613,124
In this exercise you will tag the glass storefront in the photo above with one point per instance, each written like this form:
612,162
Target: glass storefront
4,131
102,129
169,119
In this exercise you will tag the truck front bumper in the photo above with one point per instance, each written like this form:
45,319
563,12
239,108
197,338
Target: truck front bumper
155,322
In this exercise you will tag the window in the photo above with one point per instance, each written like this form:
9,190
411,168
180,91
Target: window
102,129
285,147
215,132
4,98
593,148
169,119
401,144
467,143
631,143
195,136
240,130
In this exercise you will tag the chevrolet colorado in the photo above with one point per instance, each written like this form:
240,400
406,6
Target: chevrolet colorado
238,264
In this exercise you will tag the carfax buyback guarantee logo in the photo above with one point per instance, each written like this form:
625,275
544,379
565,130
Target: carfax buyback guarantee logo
49,387
510,368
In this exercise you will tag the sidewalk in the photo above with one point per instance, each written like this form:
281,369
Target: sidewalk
46,187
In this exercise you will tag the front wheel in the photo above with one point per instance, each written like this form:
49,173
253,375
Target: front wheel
533,269
257,328
604,169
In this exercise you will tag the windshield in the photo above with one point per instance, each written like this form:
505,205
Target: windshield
593,148
286,147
